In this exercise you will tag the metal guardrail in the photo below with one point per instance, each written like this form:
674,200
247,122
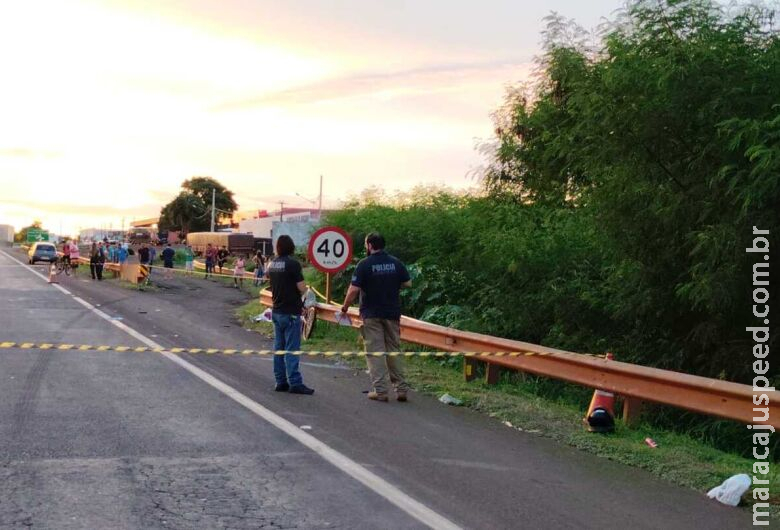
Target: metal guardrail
690,392
635,383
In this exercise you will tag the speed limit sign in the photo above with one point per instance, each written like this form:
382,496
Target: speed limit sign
330,249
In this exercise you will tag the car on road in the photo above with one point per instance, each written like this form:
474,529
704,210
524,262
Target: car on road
42,252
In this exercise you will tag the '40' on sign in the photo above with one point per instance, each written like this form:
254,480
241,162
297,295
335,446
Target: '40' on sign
330,249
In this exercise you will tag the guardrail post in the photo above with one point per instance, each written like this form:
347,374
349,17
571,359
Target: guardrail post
632,410
492,373
470,368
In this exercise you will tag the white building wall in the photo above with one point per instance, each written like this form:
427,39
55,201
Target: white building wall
257,227
6,234
299,231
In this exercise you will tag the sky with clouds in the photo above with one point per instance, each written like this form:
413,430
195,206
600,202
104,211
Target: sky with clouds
107,106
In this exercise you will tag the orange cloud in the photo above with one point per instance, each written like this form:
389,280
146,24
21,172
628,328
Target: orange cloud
429,79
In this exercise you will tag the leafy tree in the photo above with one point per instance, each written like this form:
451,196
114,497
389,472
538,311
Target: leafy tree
201,187
190,211
21,235
667,136
186,213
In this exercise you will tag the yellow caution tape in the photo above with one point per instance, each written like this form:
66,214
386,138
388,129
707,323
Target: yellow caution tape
231,351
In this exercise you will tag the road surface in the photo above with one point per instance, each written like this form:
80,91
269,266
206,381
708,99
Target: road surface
129,440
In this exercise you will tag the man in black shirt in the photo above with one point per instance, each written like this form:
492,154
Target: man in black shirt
143,255
222,256
378,280
144,259
287,287
167,256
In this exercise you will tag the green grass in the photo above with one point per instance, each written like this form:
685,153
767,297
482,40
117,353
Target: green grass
516,401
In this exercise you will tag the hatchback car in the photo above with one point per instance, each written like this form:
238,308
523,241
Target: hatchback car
42,252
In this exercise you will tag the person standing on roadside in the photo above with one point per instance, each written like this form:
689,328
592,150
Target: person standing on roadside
287,287
167,256
101,260
189,260
259,267
378,279
222,256
66,252
143,259
210,255
239,268
74,254
97,256
143,255
152,256
93,254
122,254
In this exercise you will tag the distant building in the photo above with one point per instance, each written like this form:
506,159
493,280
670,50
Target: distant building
262,224
6,234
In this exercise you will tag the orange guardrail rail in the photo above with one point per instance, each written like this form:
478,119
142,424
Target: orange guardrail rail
633,382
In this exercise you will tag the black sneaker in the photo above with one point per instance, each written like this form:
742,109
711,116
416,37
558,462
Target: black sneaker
301,389
282,387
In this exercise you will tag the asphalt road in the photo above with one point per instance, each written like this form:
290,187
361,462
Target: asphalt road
127,440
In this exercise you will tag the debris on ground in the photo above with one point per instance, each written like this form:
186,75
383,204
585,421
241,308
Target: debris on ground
731,491
450,400
265,316
652,443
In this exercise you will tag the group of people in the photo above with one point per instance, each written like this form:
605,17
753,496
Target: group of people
217,258
378,280
148,253
100,253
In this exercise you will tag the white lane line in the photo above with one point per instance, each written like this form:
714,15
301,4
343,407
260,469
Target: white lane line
38,274
374,482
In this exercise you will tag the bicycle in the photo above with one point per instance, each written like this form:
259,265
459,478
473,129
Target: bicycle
63,265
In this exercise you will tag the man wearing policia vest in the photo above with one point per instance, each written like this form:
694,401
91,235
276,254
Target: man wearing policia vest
378,279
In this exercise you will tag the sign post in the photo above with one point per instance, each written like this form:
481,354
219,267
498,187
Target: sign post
330,251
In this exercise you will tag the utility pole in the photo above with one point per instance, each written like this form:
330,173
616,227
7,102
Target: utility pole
320,207
281,211
213,206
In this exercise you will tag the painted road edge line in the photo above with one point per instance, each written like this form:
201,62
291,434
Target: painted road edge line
38,274
371,480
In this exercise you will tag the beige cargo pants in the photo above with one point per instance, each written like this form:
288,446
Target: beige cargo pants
381,334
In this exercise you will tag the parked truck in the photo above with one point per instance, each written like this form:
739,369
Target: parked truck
137,236
235,243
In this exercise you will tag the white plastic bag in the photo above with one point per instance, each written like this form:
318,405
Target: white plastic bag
731,491
309,299
264,317
343,319
450,400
